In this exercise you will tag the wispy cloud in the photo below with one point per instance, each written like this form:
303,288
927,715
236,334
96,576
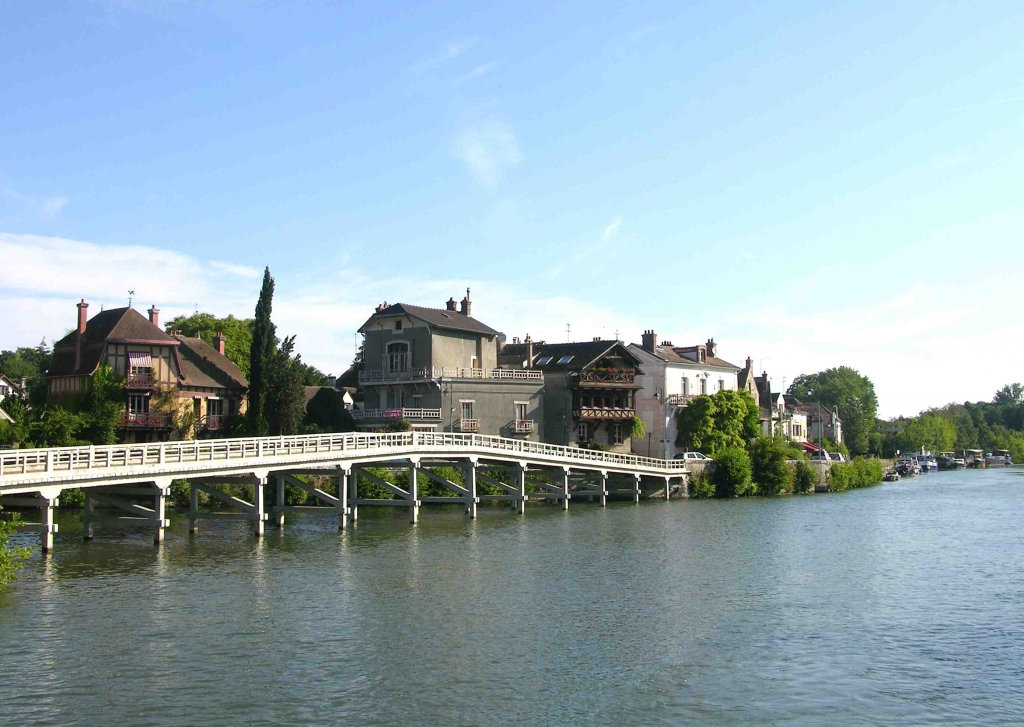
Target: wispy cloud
242,271
44,207
477,72
588,251
451,50
488,148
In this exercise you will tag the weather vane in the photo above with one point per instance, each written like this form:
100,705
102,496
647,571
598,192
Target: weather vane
131,294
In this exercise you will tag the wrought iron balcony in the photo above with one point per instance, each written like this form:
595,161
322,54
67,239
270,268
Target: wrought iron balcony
679,399
608,379
396,413
138,419
598,413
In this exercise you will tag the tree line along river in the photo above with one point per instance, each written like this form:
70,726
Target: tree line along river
896,604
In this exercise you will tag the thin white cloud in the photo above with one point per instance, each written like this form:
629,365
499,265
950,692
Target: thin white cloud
451,50
242,271
611,230
478,72
488,148
589,251
44,207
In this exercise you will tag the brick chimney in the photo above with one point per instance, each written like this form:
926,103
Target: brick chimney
450,305
154,316
218,342
83,317
466,305
529,351
649,341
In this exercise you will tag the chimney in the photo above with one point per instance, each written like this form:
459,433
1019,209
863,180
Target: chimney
649,340
529,351
154,316
83,316
450,305
332,381
711,346
596,339
219,341
466,304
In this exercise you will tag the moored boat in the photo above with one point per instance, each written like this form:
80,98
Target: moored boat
999,458
949,461
975,458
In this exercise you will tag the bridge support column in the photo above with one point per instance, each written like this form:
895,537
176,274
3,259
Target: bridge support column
520,502
414,492
193,508
636,488
279,510
470,479
603,483
668,489
259,513
49,526
160,511
342,478
565,488
45,502
353,481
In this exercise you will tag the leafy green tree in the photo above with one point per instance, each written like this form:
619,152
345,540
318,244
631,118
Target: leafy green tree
261,358
284,395
103,407
847,389
731,475
804,477
769,468
635,428
930,430
326,410
58,427
712,423
11,558
30,363
237,333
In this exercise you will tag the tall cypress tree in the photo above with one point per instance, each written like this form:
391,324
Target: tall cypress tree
261,359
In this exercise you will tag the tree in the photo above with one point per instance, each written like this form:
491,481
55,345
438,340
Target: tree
237,332
261,358
11,559
731,474
930,430
848,390
284,394
102,407
326,411
30,363
769,468
711,423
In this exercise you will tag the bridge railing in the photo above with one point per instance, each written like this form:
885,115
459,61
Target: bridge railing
263,451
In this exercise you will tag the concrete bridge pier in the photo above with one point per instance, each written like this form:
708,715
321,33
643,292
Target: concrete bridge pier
279,498
564,483
259,513
342,506
45,501
124,500
469,477
636,488
519,472
414,491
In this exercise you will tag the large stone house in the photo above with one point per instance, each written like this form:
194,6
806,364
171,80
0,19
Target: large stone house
674,375
438,370
822,422
779,415
149,361
589,389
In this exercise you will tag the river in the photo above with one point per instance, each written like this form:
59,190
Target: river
897,604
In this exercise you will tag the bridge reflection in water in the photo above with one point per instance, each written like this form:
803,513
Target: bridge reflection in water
123,477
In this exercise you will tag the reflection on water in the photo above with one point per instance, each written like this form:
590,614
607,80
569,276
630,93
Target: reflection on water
900,604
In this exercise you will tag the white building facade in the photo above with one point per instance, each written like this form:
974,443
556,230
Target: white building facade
672,376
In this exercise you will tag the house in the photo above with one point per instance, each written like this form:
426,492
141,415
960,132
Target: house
673,376
437,368
589,389
9,388
151,362
779,418
822,422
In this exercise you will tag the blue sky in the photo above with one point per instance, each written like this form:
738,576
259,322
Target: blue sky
812,186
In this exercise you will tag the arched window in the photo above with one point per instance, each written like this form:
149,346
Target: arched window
397,358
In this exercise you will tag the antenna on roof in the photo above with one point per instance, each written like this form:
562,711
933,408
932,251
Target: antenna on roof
568,333
131,294
616,334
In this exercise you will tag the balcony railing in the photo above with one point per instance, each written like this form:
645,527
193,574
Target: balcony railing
396,413
593,412
609,376
427,374
469,425
523,426
146,419
216,421
138,381
679,399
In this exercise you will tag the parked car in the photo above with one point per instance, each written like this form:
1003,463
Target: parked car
693,457
820,456
839,457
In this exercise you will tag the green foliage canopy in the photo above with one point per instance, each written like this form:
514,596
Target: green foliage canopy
732,475
326,411
847,389
769,468
712,423
237,333
11,558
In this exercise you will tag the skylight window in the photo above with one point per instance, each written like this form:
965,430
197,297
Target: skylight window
544,361
564,360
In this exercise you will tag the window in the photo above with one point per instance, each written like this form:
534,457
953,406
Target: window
215,407
721,384
398,324
138,403
417,401
582,432
467,409
686,386
703,386
616,433
397,358
520,411
564,360
544,360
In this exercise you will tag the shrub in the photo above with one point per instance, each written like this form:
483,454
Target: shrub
701,486
72,499
859,472
731,475
770,471
11,559
805,477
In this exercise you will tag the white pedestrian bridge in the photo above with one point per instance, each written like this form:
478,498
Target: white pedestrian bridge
126,478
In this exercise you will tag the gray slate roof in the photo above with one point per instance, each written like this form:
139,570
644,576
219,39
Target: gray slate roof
435,317
583,354
116,324
203,365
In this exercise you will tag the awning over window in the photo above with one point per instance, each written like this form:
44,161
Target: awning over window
140,360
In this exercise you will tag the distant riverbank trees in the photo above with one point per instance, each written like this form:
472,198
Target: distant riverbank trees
850,391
